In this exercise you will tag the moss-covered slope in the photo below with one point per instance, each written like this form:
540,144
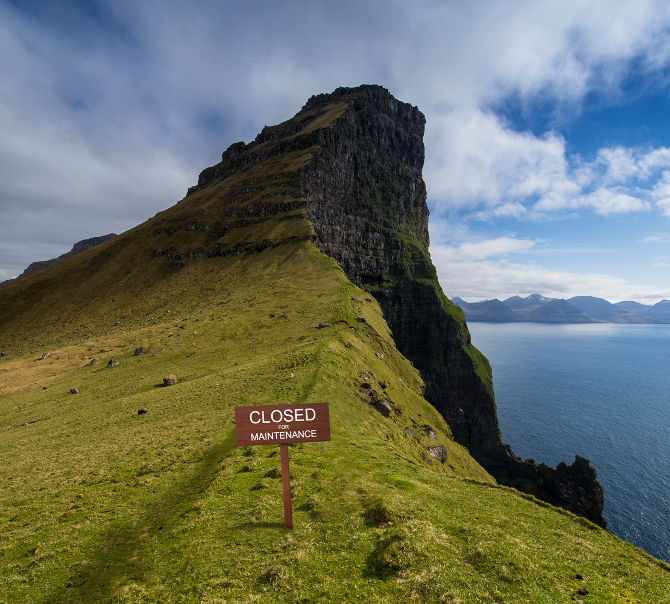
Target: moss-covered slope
100,504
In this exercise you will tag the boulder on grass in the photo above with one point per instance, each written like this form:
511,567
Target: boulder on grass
440,453
383,407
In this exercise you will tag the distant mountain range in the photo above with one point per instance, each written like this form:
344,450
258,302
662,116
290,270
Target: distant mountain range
580,309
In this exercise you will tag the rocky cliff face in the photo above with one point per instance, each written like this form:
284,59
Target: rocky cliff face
367,202
352,162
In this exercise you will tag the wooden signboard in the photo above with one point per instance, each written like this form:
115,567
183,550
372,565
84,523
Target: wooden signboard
282,424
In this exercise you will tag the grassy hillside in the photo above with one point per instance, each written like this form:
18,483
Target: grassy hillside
100,504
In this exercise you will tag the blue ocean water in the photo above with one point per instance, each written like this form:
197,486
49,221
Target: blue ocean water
601,391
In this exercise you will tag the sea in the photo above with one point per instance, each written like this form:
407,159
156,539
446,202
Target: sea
601,391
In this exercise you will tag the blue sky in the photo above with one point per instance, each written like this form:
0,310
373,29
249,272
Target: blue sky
547,136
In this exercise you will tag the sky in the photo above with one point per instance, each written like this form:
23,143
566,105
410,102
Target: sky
547,135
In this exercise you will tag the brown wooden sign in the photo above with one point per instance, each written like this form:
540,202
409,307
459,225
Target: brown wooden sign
281,424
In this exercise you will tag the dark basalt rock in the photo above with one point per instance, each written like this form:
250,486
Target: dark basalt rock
384,408
430,431
367,202
440,453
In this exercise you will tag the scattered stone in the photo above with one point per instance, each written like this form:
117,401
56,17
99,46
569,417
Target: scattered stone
45,355
112,363
139,350
169,380
93,360
354,299
579,577
292,376
369,394
380,355
141,411
2,354
366,385
430,431
399,413
361,319
410,432
368,299
384,408
74,391
440,453
583,591
44,387
414,421
190,355
383,385
323,325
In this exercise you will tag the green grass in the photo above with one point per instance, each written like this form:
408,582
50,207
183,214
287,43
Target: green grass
100,504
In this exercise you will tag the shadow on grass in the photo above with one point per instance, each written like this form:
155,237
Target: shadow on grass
264,524
120,553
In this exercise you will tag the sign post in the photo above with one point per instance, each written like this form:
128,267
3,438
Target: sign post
282,424
286,487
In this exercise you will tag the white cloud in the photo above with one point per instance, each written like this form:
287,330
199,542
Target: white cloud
483,269
474,163
488,279
656,239
479,250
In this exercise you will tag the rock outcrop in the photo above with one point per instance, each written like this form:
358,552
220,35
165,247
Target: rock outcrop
77,248
351,162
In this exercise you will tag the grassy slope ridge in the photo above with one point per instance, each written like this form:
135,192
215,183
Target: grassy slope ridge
100,504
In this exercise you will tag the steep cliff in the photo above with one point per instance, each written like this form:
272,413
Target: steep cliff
351,162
